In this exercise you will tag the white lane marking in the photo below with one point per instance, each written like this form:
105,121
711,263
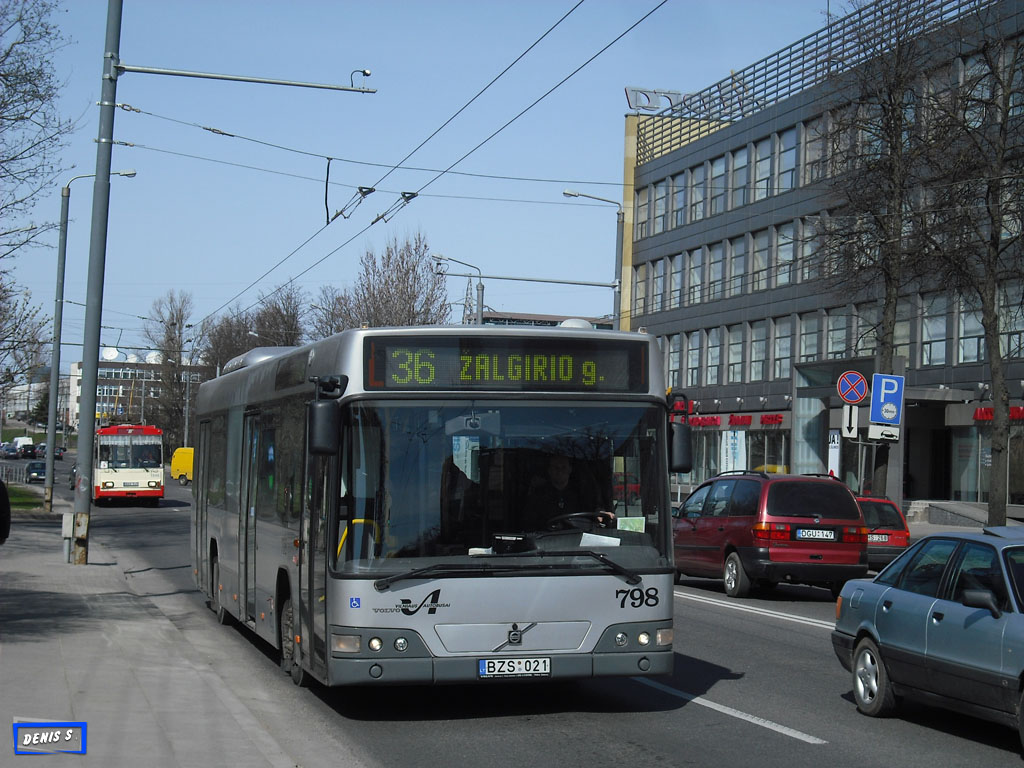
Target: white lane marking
754,719
760,611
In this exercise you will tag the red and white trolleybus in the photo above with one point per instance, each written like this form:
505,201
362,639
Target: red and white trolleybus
128,463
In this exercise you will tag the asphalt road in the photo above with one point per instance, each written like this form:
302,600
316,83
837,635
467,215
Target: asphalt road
755,683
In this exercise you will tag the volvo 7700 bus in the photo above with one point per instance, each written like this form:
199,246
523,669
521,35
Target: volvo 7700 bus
370,504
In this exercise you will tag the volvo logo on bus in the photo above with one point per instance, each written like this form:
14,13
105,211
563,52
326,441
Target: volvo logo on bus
515,635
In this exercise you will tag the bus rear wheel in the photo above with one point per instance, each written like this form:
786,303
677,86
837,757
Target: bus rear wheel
290,661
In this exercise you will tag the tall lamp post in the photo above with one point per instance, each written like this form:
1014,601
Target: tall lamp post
619,225
58,316
479,285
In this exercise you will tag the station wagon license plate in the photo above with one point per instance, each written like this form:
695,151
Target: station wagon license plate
815,533
538,667
878,538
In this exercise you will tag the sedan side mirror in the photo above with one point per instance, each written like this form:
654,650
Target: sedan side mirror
981,598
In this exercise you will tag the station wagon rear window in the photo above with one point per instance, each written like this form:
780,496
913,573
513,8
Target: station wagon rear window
803,499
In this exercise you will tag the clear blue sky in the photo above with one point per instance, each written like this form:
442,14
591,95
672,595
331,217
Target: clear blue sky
211,228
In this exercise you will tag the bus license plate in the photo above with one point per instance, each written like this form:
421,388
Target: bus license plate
878,538
540,667
815,533
131,485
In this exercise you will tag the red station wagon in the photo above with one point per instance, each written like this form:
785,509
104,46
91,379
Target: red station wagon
888,535
755,529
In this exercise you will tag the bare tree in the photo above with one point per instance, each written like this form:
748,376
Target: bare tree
31,130
398,288
278,320
226,338
169,330
976,212
324,317
868,244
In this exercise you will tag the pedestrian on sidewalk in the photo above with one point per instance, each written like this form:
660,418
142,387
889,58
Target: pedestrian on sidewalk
5,513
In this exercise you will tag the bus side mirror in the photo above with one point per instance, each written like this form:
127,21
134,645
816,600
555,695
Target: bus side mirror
324,427
681,453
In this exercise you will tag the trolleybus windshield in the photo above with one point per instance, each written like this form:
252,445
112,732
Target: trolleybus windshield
499,484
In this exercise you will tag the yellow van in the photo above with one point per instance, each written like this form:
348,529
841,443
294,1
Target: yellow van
181,465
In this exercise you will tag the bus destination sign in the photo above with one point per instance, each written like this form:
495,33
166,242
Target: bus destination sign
504,364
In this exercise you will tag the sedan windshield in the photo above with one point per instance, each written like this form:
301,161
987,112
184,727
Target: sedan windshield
526,484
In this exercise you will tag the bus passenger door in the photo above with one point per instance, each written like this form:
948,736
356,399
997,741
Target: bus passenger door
202,535
247,521
318,544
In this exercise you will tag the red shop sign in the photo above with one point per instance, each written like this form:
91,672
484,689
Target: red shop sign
771,418
987,414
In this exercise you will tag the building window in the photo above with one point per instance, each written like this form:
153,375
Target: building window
674,354
675,282
735,361
695,278
783,350
933,330
901,330
693,367
787,160
810,333
810,254
717,191
639,289
737,265
713,373
763,169
679,199
759,266
640,225
740,177
758,350
658,285
784,255
814,150
1011,321
716,271
661,206
696,193
971,348
836,341
866,330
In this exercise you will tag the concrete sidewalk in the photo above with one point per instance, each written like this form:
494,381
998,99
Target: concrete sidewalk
78,644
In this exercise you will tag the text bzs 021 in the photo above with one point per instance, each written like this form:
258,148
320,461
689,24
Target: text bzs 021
505,364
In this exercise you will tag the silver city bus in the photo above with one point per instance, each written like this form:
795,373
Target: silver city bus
443,504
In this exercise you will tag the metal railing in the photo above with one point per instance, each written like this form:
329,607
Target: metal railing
808,62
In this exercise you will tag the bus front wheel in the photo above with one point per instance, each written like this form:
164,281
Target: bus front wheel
290,661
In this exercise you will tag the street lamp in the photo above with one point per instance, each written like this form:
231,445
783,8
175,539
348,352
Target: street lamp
479,285
619,221
352,77
58,316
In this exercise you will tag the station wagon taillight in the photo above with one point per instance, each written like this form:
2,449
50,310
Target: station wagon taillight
854,535
771,532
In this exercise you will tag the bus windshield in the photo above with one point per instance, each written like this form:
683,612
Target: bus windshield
130,451
428,482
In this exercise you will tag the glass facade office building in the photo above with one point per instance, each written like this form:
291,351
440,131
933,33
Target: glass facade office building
722,260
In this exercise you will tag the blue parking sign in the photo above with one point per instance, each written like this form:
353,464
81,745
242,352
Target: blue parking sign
886,399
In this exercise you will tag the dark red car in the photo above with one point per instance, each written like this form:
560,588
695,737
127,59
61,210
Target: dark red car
888,534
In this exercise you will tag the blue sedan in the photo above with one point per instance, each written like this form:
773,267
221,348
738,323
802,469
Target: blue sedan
942,624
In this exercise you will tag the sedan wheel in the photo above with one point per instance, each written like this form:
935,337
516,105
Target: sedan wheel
871,687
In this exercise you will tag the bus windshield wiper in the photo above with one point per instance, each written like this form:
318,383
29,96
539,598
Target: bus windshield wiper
478,569
632,577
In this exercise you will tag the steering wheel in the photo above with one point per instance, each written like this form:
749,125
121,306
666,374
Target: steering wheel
598,519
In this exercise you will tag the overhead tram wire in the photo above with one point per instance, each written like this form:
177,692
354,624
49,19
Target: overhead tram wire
555,87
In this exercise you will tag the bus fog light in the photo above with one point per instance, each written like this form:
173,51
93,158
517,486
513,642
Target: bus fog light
664,636
401,644
345,643
644,638
621,639
375,644
154,484
108,484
